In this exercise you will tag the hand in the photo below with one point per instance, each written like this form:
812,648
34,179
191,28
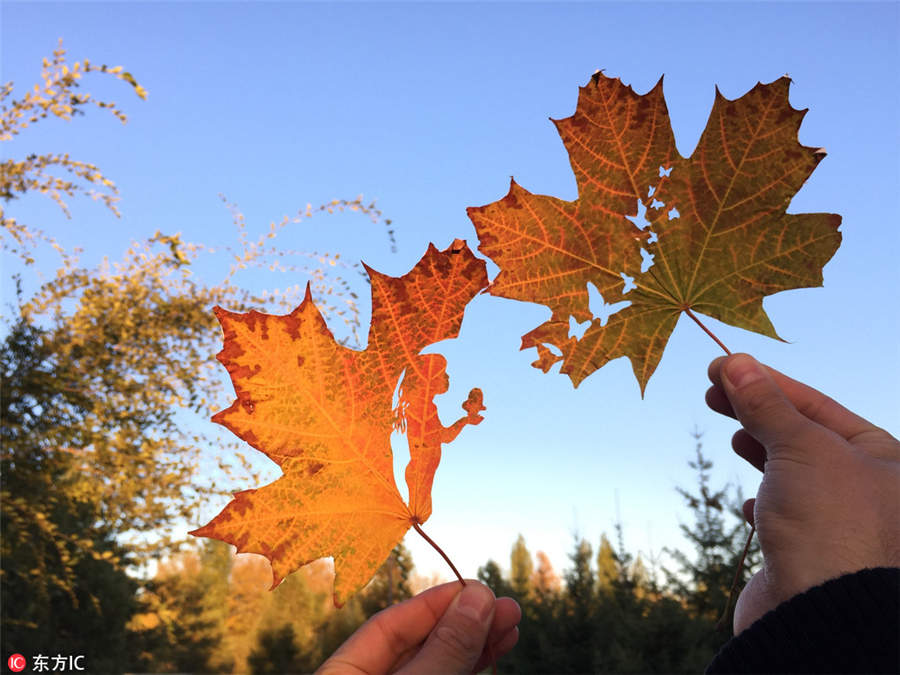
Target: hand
828,502
446,629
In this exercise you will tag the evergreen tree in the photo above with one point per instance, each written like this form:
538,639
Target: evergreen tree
618,611
492,576
390,584
276,653
639,577
664,638
703,580
579,611
541,644
541,628
608,572
521,569
338,626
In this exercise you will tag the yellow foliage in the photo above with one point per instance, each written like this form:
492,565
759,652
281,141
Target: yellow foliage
35,173
135,340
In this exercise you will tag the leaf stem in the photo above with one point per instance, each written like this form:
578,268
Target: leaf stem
720,625
687,310
437,548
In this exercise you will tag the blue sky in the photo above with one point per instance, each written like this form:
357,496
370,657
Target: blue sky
430,108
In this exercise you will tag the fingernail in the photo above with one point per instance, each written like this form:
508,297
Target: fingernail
475,602
741,370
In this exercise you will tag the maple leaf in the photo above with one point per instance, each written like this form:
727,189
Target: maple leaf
323,413
723,237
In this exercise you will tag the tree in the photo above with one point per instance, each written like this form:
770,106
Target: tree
390,584
276,653
545,580
578,620
337,627
521,568
492,576
63,581
181,625
298,603
704,580
110,373
639,576
541,643
607,566
248,601
612,619
57,96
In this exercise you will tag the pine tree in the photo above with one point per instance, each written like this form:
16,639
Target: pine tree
276,652
703,580
608,572
492,576
521,569
542,645
390,584
579,610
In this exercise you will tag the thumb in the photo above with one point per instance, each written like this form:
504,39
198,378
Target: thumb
457,641
754,601
760,405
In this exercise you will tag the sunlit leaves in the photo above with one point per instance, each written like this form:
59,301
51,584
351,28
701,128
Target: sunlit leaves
324,413
719,233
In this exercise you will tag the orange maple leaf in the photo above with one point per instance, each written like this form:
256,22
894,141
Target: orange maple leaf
724,238
323,413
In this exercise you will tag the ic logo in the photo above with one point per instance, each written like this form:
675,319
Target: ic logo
16,663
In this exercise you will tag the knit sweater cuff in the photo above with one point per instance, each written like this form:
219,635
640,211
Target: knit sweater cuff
846,625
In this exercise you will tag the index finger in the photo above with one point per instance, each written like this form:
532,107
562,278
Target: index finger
383,639
811,403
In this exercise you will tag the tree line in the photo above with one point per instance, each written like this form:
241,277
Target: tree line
612,612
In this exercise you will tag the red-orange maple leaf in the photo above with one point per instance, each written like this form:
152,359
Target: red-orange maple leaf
323,413
725,240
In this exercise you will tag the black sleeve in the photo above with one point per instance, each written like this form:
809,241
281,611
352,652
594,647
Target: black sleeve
847,625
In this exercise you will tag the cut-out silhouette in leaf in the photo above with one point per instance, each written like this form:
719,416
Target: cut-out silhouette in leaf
323,413
719,233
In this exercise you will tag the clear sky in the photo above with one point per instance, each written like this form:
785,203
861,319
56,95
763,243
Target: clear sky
430,108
